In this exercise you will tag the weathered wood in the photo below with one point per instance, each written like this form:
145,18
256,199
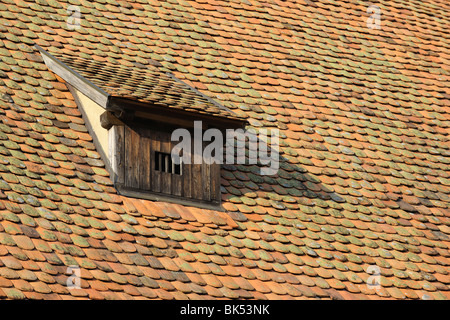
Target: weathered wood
119,111
166,177
130,192
80,83
186,180
117,153
206,178
196,176
177,188
176,185
161,113
107,120
206,182
198,182
215,182
145,159
132,159
127,158
178,122
155,176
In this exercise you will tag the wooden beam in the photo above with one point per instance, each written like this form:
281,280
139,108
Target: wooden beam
116,153
107,120
172,115
75,79
173,121
139,194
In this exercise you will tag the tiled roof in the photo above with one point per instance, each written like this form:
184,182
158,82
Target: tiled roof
364,180
143,84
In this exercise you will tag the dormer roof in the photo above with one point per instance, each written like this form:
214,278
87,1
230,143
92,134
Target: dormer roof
110,84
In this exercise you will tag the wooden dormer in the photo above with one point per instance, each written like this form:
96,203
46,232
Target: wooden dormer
131,113
139,154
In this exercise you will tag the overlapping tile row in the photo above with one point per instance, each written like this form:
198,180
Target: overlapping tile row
144,85
364,179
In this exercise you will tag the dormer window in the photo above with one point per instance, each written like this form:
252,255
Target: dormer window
140,154
163,163
131,113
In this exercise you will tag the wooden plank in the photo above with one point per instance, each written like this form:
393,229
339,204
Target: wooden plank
155,176
166,177
215,182
127,158
206,181
75,79
168,198
150,111
196,176
132,159
107,120
145,159
206,176
116,153
137,159
176,185
176,178
196,181
186,180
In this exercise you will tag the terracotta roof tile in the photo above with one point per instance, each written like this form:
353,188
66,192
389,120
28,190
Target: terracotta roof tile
142,83
362,192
